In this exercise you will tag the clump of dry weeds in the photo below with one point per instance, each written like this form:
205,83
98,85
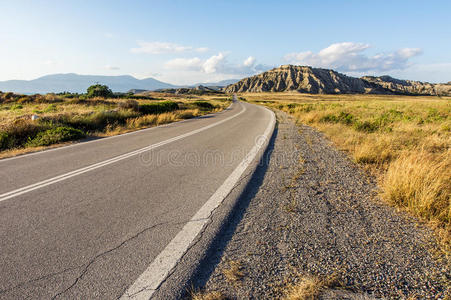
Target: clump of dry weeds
309,287
234,272
215,295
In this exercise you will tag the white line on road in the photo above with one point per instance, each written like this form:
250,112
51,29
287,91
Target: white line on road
71,174
149,281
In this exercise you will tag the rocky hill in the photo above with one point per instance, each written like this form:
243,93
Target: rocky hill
306,79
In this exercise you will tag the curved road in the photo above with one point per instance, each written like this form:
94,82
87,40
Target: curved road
109,218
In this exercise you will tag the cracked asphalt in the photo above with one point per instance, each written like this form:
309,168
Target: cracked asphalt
90,236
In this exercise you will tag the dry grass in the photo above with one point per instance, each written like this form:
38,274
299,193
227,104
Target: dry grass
233,273
215,295
95,117
309,287
405,141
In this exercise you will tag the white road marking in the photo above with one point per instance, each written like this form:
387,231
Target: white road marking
41,184
149,281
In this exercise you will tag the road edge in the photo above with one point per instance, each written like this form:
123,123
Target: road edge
167,261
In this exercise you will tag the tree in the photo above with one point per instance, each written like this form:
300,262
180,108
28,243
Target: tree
99,90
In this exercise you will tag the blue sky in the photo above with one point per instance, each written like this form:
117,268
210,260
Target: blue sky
194,41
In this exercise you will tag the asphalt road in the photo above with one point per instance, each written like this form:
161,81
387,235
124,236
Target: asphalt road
86,221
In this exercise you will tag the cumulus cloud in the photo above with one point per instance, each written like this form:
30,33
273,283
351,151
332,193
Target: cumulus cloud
217,64
163,47
212,64
250,61
350,57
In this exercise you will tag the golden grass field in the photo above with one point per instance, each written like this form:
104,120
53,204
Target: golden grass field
96,117
403,140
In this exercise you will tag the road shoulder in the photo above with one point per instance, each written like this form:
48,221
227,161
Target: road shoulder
316,217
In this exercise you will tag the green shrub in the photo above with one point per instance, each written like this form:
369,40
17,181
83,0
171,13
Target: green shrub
99,90
50,108
343,117
158,107
17,134
203,104
25,99
307,107
4,140
16,107
55,135
329,118
8,96
366,126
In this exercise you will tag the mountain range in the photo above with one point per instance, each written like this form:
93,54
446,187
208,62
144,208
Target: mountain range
76,83
305,79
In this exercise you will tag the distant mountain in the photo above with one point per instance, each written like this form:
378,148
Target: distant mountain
79,83
218,84
306,79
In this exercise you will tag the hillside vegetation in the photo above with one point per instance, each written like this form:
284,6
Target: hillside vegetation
405,141
28,122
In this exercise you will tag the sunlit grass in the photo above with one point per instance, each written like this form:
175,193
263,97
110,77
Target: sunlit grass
93,117
404,141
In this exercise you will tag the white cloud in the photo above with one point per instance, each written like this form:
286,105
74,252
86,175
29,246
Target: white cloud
111,68
217,64
202,49
109,35
163,47
184,63
349,57
250,61
214,63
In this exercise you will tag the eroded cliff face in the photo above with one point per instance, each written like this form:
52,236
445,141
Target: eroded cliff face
408,87
323,81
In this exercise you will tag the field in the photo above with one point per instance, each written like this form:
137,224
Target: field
404,141
67,117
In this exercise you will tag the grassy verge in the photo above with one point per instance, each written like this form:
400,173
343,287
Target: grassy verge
404,141
64,118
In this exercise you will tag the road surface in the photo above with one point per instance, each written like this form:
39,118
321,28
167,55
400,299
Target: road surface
109,218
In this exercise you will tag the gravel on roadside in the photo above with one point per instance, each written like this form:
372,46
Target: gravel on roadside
317,214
